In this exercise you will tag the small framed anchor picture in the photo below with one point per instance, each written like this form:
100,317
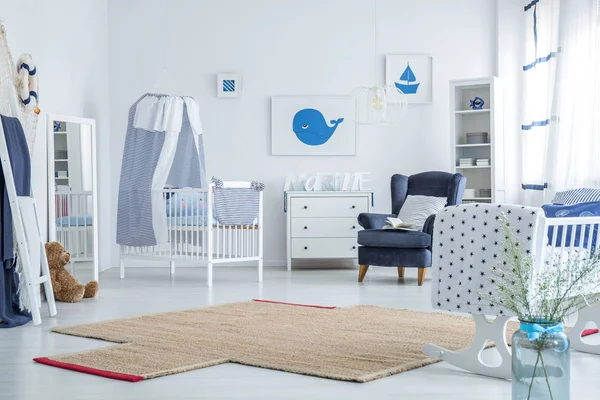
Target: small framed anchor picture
411,74
229,85
313,126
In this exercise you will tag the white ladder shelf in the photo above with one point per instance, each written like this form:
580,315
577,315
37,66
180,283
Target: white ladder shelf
27,226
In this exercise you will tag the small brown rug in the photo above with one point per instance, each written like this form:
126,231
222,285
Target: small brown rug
359,343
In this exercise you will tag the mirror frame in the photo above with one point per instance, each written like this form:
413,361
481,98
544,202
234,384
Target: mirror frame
50,118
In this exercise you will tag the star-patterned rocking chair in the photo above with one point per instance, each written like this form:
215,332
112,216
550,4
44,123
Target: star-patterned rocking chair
467,245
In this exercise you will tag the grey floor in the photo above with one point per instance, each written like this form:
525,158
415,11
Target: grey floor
150,290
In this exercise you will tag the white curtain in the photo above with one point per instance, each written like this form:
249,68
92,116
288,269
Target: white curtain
561,103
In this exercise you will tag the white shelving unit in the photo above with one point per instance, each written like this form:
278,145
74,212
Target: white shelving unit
67,157
465,120
61,154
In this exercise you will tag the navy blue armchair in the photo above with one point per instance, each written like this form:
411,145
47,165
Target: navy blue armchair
399,248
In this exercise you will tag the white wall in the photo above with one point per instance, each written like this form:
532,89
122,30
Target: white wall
69,43
294,47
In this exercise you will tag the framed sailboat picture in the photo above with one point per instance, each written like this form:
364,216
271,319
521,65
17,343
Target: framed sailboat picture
411,74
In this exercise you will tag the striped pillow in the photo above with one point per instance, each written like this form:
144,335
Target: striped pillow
416,209
576,196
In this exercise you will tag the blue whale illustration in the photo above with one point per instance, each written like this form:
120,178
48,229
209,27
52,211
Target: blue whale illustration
311,128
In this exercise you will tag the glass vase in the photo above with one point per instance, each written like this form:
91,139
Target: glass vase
540,362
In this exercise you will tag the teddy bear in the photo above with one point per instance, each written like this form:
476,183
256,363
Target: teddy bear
65,286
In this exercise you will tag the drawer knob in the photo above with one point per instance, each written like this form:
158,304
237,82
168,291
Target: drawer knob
353,227
305,247
353,247
353,207
306,227
305,207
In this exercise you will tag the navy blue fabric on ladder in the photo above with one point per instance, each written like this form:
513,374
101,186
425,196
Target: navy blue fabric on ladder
10,314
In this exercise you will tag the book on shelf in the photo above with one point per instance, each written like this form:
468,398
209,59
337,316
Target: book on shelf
466,162
396,223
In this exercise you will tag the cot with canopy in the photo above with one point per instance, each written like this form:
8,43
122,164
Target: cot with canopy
167,209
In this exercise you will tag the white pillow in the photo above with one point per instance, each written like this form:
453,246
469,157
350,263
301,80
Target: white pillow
416,209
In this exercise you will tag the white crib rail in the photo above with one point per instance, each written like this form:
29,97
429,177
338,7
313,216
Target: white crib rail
194,234
583,232
576,233
74,223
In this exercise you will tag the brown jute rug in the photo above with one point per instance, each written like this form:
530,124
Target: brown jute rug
358,343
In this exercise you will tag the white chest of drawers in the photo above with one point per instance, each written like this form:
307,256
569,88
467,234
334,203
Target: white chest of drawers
324,224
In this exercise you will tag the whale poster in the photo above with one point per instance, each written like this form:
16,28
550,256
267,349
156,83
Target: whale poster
411,74
313,125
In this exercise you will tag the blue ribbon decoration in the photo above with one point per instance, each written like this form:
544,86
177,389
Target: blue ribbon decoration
535,331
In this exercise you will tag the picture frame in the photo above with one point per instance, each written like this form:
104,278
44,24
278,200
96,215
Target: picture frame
229,85
313,126
412,74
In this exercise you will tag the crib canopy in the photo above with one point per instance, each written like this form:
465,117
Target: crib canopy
163,148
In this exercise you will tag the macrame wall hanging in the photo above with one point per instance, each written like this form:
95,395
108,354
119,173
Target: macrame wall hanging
19,93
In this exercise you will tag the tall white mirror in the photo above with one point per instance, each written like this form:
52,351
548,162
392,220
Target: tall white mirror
72,191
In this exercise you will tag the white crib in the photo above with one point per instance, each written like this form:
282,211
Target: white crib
196,236
583,231
74,223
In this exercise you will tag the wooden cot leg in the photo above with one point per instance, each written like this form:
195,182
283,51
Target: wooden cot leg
400,272
362,272
422,272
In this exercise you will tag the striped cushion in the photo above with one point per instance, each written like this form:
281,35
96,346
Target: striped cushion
416,209
577,196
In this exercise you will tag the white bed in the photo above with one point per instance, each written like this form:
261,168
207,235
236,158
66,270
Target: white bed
196,236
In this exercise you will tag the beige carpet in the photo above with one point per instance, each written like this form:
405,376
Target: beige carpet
358,343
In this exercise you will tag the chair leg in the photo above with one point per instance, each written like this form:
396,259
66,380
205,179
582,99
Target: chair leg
470,358
400,272
362,271
422,272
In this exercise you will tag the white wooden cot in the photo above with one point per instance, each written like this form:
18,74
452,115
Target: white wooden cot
198,238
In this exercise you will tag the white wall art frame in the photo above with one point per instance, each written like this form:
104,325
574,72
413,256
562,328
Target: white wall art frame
229,85
412,74
313,126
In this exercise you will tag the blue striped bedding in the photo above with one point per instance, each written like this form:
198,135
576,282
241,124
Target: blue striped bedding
576,196
186,221
74,221
568,211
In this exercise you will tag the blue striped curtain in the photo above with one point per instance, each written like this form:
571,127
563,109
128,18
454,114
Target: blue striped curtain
561,97
539,75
